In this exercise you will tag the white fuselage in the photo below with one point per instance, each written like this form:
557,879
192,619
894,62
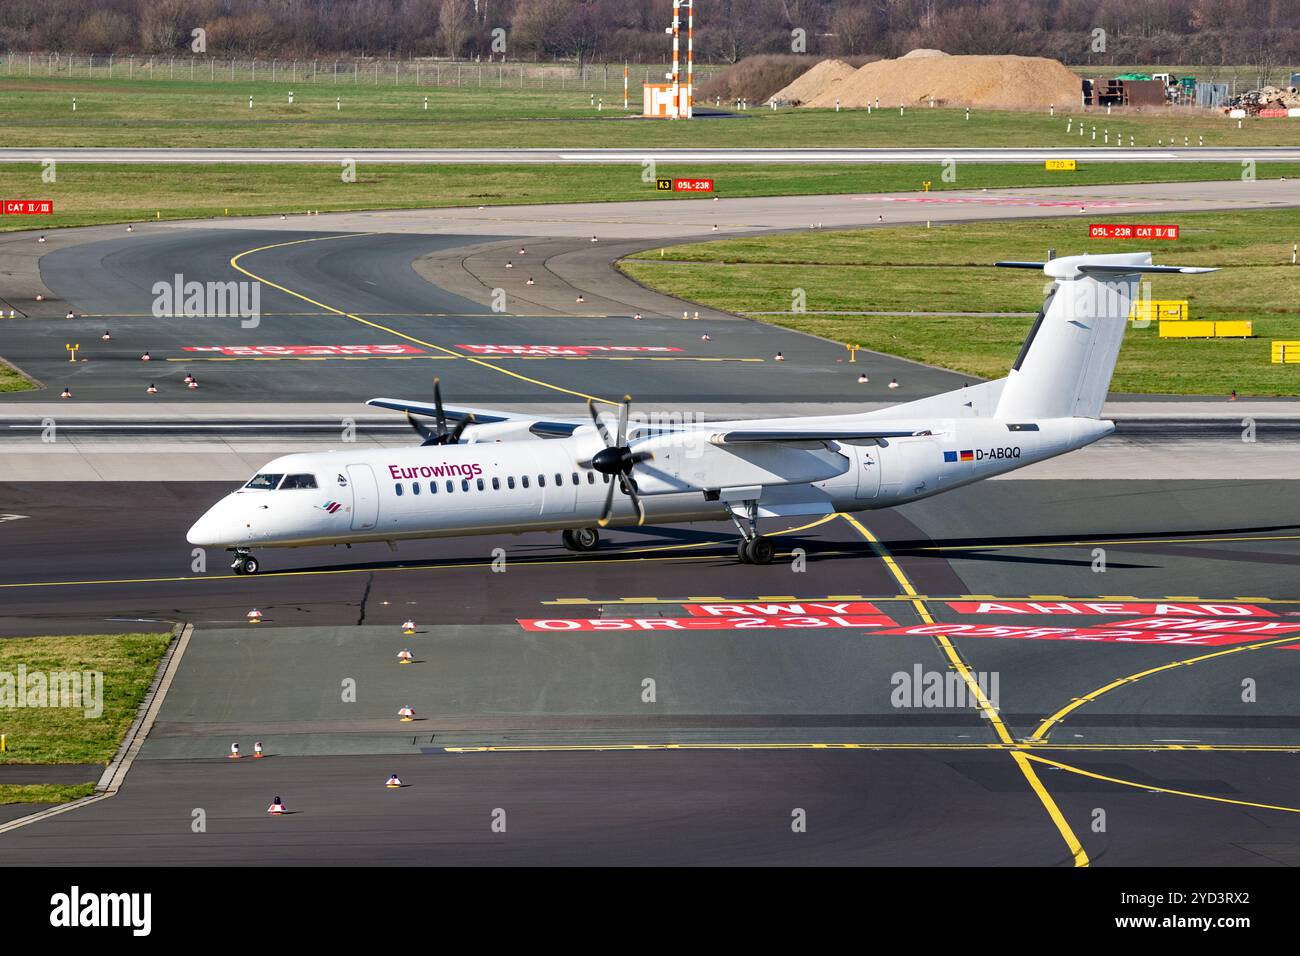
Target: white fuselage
486,487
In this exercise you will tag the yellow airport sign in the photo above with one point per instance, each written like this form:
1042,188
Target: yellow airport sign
1064,165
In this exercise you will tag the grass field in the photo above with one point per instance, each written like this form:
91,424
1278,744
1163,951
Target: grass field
41,735
893,270
92,193
12,380
37,112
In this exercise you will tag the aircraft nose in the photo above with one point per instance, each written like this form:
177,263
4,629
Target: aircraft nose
209,531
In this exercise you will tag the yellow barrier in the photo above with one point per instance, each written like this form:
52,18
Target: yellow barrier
1233,329
1286,353
1159,310
1204,329
1185,329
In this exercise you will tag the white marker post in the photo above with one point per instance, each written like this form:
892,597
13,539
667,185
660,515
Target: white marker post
690,59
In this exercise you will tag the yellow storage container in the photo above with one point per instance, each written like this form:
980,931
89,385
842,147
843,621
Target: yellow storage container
1186,329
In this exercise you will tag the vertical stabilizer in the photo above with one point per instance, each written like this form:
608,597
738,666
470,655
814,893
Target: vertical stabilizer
1065,366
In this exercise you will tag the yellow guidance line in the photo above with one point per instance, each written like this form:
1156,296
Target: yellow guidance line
973,687
1043,730
234,264
873,745
1147,786
1076,848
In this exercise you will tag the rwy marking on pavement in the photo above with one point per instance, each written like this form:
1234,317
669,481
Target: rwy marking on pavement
13,517
1106,607
1144,632
705,623
802,609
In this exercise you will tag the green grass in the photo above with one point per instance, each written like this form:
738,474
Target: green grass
37,735
893,270
44,792
93,193
12,380
37,112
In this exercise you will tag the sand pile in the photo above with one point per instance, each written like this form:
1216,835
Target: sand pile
1001,82
821,80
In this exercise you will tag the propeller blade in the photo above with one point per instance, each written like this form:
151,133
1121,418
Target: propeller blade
461,425
629,489
637,457
600,425
622,420
425,435
608,510
437,404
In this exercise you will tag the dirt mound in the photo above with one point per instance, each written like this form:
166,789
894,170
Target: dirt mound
921,53
995,82
820,80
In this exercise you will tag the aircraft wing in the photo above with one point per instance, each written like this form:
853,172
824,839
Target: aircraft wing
550,428
810,434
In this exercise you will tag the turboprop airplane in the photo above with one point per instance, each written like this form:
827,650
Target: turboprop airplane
479,471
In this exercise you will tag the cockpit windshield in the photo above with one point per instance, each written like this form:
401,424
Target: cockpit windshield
264,482
299,481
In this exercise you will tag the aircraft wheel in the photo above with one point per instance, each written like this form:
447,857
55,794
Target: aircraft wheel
760,550
584,539
742,552
248,565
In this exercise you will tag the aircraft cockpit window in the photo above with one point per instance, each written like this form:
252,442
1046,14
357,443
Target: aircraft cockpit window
299,481
264,482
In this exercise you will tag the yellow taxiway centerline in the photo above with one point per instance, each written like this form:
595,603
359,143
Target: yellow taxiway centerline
986,707
234,264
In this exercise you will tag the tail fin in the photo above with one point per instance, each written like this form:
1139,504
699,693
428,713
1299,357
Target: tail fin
1065,366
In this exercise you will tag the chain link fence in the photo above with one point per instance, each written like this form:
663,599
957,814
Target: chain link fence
584,77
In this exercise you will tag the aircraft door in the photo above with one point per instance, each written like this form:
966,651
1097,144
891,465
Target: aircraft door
365,497
869,465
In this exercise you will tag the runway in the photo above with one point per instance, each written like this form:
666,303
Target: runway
716,157
554,724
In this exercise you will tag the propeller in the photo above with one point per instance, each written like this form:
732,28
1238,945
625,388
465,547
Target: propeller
439,434
616,460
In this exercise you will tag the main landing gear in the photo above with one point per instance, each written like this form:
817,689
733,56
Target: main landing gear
753,547
581,539
244,563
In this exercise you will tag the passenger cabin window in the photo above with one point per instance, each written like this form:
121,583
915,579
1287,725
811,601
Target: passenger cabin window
298,481
433,487
265,482
480,484
541,481
398,487
559,480
575,477
524,479
591,477
415,487
496,484
450,487
510,482
464,484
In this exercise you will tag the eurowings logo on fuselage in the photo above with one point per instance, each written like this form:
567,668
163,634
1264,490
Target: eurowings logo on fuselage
445,470
331,506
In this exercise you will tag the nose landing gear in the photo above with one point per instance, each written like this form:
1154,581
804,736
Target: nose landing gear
244,563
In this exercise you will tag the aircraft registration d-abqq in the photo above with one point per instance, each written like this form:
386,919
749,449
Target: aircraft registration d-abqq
494,472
